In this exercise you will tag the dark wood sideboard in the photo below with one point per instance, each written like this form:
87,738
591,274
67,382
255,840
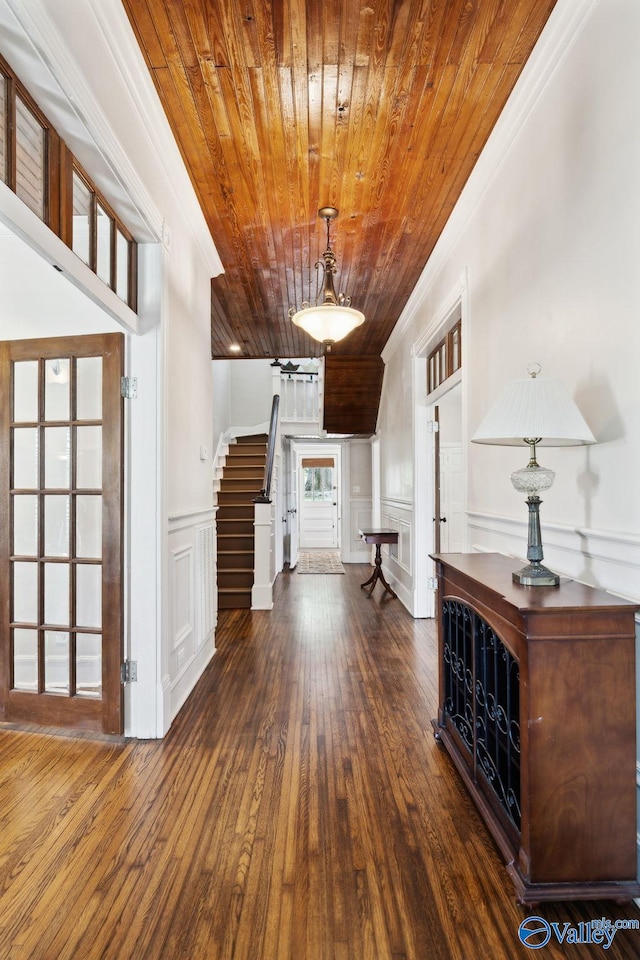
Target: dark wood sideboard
537,711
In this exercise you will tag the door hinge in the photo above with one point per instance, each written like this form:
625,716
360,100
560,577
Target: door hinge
433,426
129,671
129,387
432,583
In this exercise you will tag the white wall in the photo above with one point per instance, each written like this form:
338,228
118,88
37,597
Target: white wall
221,396
37,301
547,232
358,491
251,392
547,236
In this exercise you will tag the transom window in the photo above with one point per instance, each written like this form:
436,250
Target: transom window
31,152
25,151
38,166
445,358
99,239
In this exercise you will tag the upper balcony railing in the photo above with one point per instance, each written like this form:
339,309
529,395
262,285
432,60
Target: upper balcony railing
300,387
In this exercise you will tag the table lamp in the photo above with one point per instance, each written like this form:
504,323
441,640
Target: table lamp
538,411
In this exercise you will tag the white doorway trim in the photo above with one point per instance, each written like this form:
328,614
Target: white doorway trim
315,449
456,307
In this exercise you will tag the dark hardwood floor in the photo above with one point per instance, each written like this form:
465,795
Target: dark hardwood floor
299,809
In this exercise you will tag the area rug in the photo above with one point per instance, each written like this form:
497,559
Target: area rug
319,561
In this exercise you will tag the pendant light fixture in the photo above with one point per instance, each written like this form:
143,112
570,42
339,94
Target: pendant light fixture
332,317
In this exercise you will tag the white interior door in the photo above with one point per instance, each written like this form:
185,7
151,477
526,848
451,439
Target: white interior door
451,498
292,514
449,476
318,499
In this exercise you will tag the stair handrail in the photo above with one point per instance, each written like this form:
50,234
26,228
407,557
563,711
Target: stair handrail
265,493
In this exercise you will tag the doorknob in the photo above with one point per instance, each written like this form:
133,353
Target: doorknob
441,520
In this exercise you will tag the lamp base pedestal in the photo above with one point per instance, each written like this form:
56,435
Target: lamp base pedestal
535,575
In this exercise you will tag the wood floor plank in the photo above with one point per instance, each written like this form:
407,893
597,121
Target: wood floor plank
299,809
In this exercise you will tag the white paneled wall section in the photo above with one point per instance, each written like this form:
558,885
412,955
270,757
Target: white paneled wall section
398,515
193,609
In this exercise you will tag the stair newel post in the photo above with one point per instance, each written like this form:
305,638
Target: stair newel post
262,590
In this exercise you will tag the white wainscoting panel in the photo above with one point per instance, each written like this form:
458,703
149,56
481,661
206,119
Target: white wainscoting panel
191,603
206,592
397,560
182,593
360,512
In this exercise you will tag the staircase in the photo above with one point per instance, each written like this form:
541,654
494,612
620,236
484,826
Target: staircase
242,479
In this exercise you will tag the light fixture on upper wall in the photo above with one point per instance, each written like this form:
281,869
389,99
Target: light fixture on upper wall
332,317
540,412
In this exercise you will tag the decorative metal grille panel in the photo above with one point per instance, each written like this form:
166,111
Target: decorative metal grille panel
497,707
458,658
481,699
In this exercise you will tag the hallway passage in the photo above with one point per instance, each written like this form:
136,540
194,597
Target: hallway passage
299,809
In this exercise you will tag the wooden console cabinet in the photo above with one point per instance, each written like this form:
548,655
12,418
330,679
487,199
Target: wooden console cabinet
537,711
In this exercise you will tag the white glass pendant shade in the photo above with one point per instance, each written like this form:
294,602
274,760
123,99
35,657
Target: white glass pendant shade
327,323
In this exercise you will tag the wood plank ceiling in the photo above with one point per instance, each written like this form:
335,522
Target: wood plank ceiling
377,107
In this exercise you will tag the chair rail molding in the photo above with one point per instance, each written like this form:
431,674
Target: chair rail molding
601,558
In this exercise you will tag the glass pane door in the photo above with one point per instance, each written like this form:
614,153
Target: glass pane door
61,550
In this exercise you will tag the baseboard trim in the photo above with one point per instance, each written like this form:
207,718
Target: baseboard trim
181,687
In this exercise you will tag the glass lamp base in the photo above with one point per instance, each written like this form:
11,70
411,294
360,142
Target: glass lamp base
535,575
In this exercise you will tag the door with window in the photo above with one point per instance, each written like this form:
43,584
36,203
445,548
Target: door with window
318,503
61,522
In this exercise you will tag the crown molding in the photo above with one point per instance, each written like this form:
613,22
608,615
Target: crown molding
129,62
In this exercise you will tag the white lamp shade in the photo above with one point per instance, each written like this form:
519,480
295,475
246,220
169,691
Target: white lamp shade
328,323
534,407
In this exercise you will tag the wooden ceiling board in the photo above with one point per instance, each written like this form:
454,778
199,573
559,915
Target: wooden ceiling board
377,107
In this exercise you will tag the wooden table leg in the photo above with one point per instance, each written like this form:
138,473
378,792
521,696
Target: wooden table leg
377,575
